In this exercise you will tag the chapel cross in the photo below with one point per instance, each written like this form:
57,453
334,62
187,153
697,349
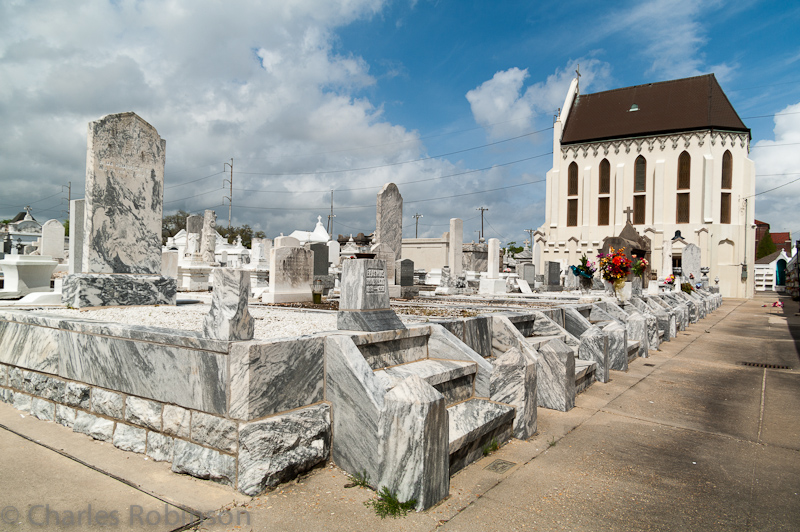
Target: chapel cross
628,211
28,208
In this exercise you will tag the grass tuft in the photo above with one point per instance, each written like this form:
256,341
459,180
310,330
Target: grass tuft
491,447
360,480
387,505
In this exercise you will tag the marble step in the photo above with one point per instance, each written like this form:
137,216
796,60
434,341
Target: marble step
536,341
584,374
633,349
473,425
452,378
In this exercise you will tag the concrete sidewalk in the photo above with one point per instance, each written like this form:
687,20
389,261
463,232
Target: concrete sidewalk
688,439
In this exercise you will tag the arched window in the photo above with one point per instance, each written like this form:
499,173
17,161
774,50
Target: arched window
603,201
572,190
684,183
639,190
727,184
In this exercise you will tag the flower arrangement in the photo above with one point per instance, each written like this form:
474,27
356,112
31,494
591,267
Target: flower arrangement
585,269
670,280
639,266
687,287
615,267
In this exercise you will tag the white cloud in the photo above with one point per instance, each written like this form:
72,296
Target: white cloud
670,34
778,162
501,106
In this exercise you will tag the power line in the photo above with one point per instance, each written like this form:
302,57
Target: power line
193,181
775,188
399,162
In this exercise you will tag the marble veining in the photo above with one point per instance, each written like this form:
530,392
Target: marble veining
124,196
555,383
443,345
268,377
617,346
514,382
279,448
229,318
414,443
99,290
594,348
637,331
471,419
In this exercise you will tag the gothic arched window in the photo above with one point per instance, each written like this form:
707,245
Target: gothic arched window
604,200
639,190
572,190
684,183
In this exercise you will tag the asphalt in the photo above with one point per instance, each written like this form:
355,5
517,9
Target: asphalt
688,439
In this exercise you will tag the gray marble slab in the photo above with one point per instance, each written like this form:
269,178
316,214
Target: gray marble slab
356,399
617,346
555,383
189,378
214,431
202,462
280,448
442,344
574,322
31,347
414,447
637,331
229,317
368,320
124,196
99,290
514,382
478,334
389,218
594,348
268,377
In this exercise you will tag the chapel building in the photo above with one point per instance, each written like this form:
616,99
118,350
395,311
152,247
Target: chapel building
671,156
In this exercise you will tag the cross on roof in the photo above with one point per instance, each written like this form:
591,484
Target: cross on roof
28,208
628,211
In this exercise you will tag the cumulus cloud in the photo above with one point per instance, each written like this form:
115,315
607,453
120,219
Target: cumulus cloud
777,163
501,106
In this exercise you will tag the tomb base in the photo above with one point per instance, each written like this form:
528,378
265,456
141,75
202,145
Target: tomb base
492,286
111,290
287,297
194,278
368,320
24,274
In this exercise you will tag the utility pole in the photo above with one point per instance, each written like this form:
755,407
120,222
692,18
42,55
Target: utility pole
229,198
68,186
417,216
331,216
482,209
530,238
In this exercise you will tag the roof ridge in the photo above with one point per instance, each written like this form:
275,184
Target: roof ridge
663,82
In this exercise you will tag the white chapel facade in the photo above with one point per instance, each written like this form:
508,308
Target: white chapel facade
672,156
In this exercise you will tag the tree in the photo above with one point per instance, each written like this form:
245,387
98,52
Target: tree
766,246
172,224
512,249
245,231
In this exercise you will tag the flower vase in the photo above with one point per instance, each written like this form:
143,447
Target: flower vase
636,286
586,284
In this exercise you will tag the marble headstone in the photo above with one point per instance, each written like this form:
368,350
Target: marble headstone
528,273
364,303
552,272
404,272
384,252
455,251
493,269
291,272
320,251
123,215
334,250
194,224
690,262
52,240
389,218
208,237
77,210
229,318
666,259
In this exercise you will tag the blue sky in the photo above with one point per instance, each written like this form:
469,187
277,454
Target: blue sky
310,95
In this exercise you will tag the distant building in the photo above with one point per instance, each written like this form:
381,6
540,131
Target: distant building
673,156
22,229
782,240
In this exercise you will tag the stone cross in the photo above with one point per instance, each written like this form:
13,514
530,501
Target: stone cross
628,211
28,209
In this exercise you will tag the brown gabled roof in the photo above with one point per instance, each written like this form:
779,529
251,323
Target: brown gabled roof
769,258
781,238
667,107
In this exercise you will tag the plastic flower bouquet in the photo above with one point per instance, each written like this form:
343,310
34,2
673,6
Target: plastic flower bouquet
639,266
670,280
585,269
615,267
